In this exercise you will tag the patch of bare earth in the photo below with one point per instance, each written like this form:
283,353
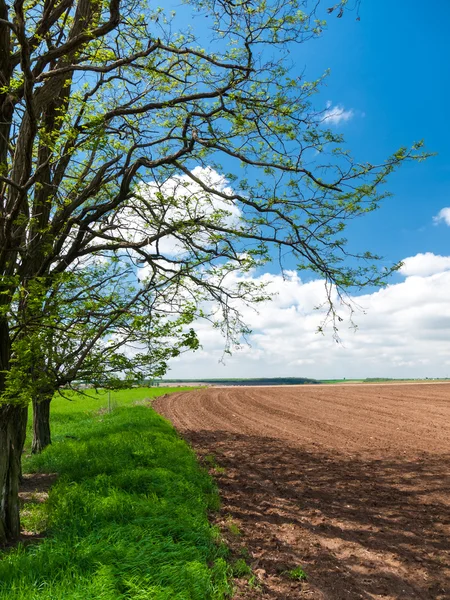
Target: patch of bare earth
34,489
350,483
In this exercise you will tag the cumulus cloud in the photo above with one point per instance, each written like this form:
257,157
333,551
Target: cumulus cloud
337,114
403,331
425,264
176,200
443,216
158,207
180,199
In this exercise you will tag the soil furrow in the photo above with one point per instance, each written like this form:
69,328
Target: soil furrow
352,483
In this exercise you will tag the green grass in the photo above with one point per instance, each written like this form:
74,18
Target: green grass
75,407
127,518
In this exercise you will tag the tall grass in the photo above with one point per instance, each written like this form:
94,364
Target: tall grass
127,518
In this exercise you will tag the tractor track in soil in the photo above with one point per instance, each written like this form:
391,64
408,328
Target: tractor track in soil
352,483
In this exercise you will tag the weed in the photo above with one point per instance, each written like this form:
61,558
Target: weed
241,569
211,463
254,583
233,527
298,574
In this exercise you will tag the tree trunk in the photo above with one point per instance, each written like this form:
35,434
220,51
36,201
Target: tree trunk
41,423
13,422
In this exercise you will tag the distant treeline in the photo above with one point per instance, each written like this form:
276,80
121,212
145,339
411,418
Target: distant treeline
259,381
378,379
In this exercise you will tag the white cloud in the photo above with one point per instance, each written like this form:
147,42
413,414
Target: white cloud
443,215
404,331
425,264
177,200
337,114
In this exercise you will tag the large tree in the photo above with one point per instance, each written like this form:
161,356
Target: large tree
114,118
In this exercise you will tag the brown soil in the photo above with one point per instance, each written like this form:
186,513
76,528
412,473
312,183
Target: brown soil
352,484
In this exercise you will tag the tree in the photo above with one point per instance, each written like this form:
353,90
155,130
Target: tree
342,6
105,106
96,327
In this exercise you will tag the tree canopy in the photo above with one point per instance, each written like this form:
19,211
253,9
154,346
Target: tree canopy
188,153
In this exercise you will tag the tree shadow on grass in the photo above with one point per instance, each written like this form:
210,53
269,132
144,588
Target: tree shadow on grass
362,527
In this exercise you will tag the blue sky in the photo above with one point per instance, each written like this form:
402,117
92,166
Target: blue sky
390,72
392,67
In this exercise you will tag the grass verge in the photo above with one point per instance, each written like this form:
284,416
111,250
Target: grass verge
127,518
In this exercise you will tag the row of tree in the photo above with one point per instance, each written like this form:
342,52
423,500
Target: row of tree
145,168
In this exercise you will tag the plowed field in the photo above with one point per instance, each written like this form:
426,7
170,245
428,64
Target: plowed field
352,483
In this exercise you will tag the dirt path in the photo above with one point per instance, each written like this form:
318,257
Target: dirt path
352,484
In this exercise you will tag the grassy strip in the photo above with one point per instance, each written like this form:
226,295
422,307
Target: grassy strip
127,518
